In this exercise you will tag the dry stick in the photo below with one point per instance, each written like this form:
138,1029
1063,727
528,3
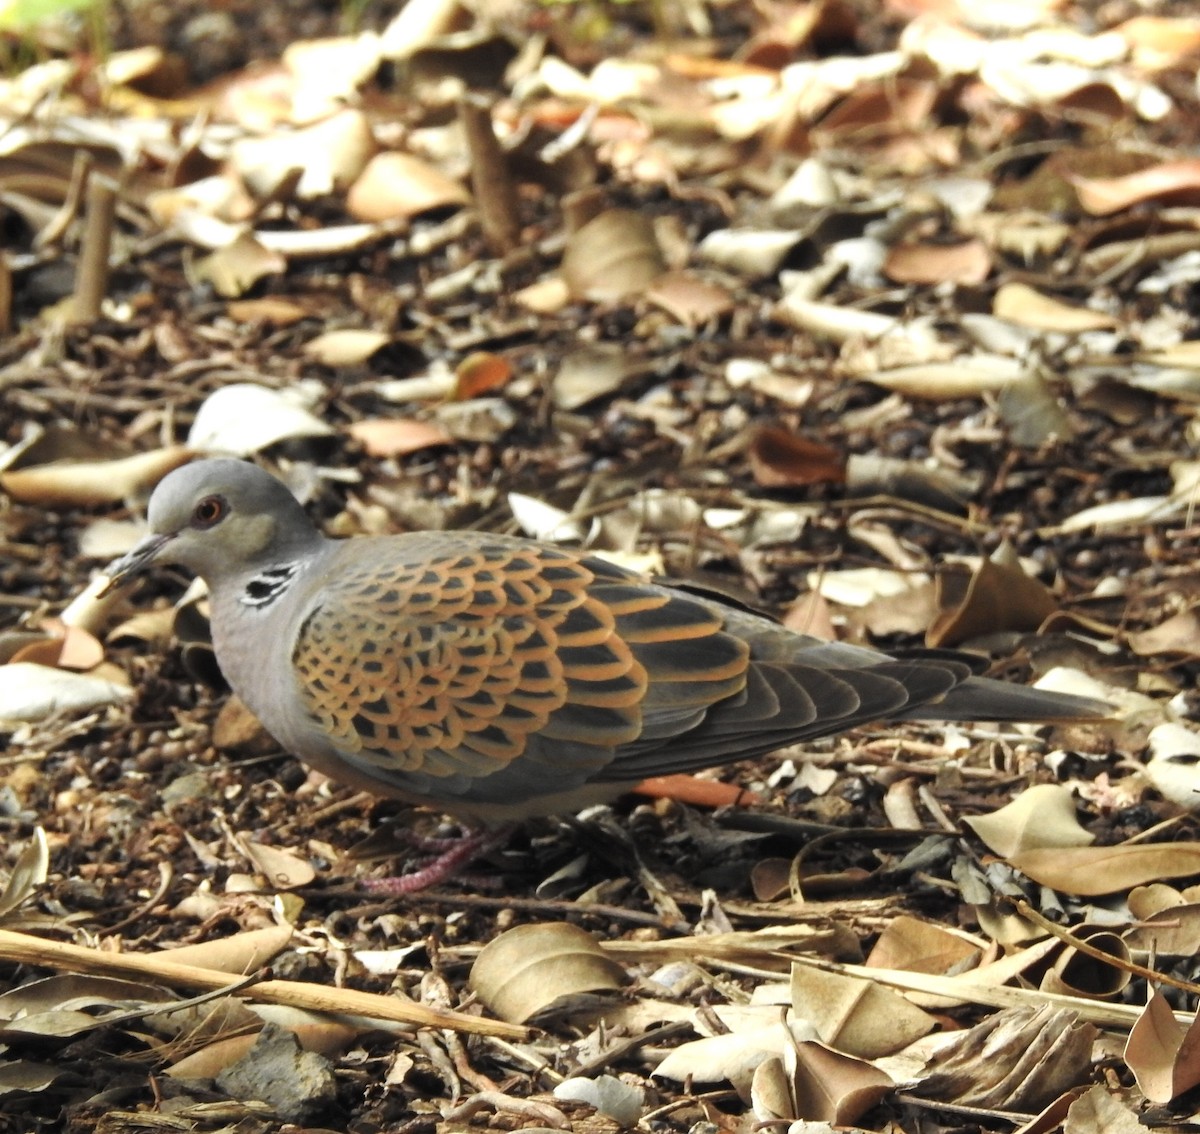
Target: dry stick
491,180
24,949
91,281
1088,949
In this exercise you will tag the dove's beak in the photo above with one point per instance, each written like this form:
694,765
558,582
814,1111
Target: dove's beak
145,553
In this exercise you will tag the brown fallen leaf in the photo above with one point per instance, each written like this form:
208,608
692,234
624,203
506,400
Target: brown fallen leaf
397,436
779,459
1178,181
967,262
481,373
1179,634
998,595
1163,1056
528,969
1088,872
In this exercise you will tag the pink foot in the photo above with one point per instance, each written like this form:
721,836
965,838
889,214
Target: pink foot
455,854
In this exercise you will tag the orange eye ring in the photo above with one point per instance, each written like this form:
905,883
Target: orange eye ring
209,511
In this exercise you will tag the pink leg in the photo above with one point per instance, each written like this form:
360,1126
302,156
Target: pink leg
455,854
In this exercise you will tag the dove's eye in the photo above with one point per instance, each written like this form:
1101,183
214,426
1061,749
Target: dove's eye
209,511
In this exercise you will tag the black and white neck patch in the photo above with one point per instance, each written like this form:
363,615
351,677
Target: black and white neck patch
268,586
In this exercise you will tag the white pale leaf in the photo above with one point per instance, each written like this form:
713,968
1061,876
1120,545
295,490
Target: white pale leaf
541,520
1124,513
243,419
31,692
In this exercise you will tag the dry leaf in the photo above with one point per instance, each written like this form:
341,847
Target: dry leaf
688,299
613,256
396,436
81,483
481,373
1164,1058
236,267
998,595
526,970
345,348
1088,872
855,1016
395,186
1179,634
30,692
1021,304
836,1088
922,946
282,869
969,262
1041,816
779,459
243,419
1178,181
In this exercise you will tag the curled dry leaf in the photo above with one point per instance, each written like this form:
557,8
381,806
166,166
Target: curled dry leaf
525,971
828,321
1174,765
328,72
735,1055
238,954
543,521
1041,816
61,645
1123,514
751,253
874,474
1019,1059
1079,974
213,1058
968,377
1158,42
997,596
29,871
836,1088
612,256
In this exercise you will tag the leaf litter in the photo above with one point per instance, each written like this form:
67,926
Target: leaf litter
821,298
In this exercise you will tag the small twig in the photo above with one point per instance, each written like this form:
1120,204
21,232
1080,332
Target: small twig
91,280
1079,945
165,874
491,179
24,949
